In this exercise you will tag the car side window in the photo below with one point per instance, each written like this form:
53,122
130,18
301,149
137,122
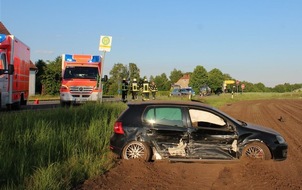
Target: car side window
165,116
3,64
202,118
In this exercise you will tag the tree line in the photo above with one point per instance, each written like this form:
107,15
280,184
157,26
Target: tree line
48,79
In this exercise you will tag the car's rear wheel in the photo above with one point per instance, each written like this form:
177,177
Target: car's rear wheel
136,149
256,150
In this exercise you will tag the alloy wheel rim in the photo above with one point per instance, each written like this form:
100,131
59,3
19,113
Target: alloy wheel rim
255,152
135,151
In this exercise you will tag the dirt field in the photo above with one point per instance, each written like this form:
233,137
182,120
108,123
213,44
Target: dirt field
266,175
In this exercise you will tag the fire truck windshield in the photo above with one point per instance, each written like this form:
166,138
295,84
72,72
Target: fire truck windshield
81,73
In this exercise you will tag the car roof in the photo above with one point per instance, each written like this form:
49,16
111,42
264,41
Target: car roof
188,88
169,102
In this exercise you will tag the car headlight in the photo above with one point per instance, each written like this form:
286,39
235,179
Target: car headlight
280,139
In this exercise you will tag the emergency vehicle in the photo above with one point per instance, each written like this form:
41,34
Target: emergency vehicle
80,78
14,72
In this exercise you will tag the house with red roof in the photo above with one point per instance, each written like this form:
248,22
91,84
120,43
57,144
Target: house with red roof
183,82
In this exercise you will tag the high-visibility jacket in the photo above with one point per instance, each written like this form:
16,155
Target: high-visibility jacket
134,86
124,86
145,87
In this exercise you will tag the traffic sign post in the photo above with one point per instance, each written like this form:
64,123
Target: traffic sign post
242,87
105,46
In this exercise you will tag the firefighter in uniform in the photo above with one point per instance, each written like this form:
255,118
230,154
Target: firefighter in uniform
145,90
134,89
124,90
153,89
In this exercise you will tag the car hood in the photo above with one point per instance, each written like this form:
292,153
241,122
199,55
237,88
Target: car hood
261,128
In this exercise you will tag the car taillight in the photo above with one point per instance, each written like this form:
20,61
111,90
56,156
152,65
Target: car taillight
118,127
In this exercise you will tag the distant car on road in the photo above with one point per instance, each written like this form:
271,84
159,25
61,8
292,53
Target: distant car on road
190,131
204,90
187,91
182,92
175,92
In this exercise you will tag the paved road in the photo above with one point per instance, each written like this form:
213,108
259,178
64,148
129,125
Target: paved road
56,103
32,105
42,104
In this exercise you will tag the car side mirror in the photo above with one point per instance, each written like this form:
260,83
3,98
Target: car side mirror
11,69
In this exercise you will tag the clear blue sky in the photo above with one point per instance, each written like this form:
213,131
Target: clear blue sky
251,40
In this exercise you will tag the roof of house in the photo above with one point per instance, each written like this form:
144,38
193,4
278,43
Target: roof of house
32,66
183,81
185,76
3,29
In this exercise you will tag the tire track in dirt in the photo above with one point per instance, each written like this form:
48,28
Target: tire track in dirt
290,130
290,126
282,175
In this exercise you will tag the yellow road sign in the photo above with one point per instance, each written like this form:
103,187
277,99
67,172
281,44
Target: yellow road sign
229,82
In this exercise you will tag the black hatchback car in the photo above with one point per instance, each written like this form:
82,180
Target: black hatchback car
190,131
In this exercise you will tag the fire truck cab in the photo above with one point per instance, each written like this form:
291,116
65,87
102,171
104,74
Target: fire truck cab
80,79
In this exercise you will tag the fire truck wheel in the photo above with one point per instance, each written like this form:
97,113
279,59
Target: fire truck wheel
23,101
62,103
65,104
16,105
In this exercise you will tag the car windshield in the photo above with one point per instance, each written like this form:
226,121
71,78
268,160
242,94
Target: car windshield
81,72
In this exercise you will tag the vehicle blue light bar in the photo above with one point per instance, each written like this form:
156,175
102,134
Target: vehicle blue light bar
2,37
69,58
95,58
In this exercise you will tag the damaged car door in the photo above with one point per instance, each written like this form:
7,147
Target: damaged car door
211,136
167,131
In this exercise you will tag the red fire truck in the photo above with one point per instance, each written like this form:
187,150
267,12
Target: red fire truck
80,79
14,72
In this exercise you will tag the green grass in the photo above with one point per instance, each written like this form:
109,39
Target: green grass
55,149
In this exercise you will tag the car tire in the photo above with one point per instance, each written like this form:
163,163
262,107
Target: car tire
136,149
256,150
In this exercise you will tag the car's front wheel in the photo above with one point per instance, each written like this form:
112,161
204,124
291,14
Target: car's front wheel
256,150
136,149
